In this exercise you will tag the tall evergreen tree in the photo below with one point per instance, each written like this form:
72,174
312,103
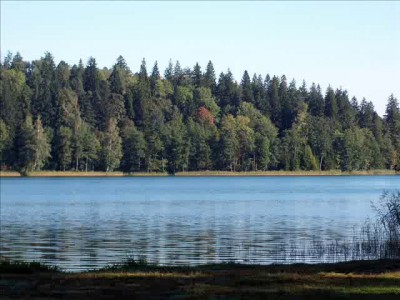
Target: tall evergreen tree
169,71
275,104
197,75
155,76
64,151
133,148
331,109
210,78
246,94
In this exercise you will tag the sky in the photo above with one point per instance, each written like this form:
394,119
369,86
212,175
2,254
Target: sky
352,45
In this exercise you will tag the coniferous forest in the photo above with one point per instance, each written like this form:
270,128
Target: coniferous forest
84,118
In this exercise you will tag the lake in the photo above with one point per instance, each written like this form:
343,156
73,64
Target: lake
81,223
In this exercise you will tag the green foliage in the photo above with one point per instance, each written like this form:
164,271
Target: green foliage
64,150
34,148
309,161
15,98
133,148
360,149
4,140
68,107
86,145
204,97
246,89
176,144
331,109
200,136
320,139
229,144
111,148
117,119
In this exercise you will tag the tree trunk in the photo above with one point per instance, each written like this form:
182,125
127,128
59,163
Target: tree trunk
320,164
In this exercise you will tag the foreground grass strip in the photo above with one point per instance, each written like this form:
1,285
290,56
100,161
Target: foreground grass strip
367,290
355,280
285,173
108,275
195,173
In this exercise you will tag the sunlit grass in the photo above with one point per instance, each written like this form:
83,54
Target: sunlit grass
9,174
389,275
219,280
286,173
193,173
149,275
81,174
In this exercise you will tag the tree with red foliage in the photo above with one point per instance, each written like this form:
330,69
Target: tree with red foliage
204,115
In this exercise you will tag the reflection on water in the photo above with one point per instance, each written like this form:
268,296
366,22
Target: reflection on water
80,223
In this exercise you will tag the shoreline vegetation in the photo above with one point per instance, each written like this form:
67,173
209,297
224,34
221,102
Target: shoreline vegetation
197,173
369,279
56,117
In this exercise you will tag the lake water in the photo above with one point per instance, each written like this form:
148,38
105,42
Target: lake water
81,223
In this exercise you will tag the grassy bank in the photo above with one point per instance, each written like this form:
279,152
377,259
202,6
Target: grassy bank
287,173
196,174
355,280
80,174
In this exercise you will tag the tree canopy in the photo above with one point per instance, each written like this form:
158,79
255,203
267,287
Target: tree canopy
80,117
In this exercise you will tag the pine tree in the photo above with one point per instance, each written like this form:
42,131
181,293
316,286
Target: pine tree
64,151
176,144
275,104
143,72
366,115
155,76
43,84
197,75
91,77
246,94
331,109
119,77
133,148
210,78
63,74
178,74
169,71
392,118
316,102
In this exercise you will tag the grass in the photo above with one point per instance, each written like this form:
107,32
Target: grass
138,279
287,173
80,174
194,173
9,174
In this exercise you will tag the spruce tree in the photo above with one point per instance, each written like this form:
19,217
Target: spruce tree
246,94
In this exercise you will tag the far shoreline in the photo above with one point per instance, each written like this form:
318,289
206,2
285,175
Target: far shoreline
78,174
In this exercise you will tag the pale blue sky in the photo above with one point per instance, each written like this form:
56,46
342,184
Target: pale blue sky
353,45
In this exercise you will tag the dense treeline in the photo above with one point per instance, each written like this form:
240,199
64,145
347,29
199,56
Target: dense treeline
58,117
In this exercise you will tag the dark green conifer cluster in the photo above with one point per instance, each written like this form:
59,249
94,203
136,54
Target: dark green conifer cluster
80,117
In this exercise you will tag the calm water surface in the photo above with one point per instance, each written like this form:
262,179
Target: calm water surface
80,223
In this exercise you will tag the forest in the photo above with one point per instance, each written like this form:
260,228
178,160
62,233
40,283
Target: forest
85,118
